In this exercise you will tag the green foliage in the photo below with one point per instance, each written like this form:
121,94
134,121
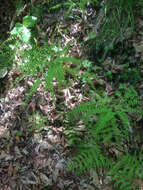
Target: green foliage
87,64
118,16
71,4
6,58
107,120
19,5
113,23
6,55
90,156
23,31
131,74
108,124
128,168
32,90
29,21
81,4
46,60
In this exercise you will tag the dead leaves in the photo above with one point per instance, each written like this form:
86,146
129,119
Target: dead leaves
10,170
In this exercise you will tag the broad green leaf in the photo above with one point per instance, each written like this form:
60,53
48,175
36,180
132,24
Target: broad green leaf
17,29
29,21
25,34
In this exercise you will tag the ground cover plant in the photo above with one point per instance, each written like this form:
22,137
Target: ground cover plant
93,98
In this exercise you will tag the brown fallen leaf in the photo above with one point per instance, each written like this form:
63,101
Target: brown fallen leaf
17,138
10,170
45,179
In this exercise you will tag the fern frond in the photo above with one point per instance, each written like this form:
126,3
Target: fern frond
112,127
90,156
124,172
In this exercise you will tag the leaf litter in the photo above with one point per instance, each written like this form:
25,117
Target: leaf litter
36,158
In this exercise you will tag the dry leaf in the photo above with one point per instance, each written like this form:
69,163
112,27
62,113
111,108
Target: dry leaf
10,170
45,179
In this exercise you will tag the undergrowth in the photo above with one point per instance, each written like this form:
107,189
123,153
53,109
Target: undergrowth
109,131
101,129
117,24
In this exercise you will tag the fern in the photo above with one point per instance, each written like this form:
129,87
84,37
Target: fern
128,168
90,156
130,101
35,59
108,124
48,61
56,70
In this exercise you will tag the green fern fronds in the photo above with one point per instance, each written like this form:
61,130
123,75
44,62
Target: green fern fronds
55,70
126,170
108,124
130,97
48,61
90,156
36,58
130,101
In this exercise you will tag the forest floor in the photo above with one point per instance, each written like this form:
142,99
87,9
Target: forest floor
33,160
